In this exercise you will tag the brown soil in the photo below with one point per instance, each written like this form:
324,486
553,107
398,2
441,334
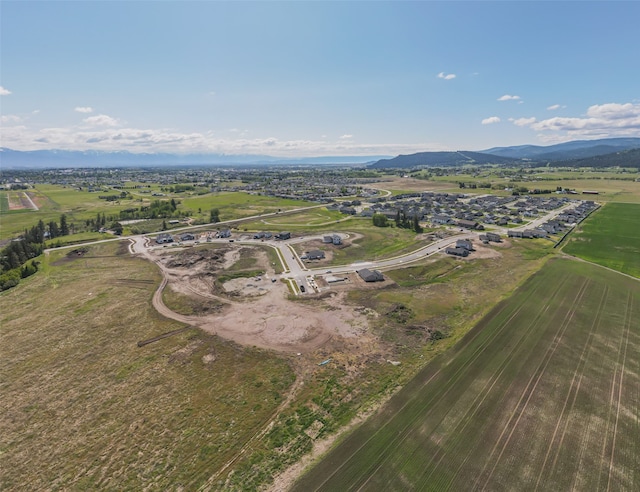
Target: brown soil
258,312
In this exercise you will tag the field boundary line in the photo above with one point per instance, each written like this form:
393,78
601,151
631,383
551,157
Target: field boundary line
579,369
484,393
540,370
624,361
577,258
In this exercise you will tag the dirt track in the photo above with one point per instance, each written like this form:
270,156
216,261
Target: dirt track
267,319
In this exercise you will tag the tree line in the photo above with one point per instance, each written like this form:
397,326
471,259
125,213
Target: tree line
14,258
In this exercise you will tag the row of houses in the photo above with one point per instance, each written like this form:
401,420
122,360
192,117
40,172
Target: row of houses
564,221
458,210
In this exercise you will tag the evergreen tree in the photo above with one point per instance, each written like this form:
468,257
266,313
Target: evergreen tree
64,227
416,224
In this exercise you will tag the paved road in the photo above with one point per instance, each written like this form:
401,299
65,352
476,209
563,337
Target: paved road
295,269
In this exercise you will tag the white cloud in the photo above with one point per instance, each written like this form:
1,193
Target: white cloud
522,121
508,97
491,120
10,118
446,76
84,109
4,92
167,140
345,137
101,120
553,107
600,121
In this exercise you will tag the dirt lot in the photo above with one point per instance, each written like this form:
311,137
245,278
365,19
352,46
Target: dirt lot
258,312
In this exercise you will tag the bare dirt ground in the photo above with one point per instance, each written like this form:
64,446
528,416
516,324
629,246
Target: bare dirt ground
258,311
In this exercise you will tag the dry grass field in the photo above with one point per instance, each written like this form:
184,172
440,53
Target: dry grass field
84,408
543,394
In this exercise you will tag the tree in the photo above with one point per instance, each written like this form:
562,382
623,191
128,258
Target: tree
214,215
117,228
53,229
416,224
380,220
64,227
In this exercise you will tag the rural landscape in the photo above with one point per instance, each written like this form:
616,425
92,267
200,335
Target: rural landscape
300,246
334,337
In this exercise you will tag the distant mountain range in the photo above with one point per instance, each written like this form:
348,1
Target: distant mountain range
42,159
575,153
577,149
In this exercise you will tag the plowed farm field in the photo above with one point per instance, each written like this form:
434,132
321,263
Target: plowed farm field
543,394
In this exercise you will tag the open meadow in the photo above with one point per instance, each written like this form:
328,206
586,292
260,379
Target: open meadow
610,237
541,394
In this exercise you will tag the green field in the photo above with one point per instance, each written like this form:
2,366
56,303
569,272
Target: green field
53,201
542,394
235,205
4,202
610,237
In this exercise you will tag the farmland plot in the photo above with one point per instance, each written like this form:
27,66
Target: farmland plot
610,237
543,394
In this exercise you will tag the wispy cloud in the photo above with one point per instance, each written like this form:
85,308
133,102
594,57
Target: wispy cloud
101,120
508,97
10,118
4,92
345,137
522,121
446,76
553,107
491,120
83,109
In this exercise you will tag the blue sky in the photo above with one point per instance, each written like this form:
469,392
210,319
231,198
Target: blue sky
316,78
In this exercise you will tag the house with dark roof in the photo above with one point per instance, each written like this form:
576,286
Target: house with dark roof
464,243
463,252
316,254
165,237
370,275
468,224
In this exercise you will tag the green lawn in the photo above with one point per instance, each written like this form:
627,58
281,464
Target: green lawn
610,237
541,394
